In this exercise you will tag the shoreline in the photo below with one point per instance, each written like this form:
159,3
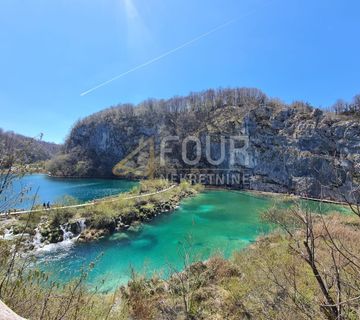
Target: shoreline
277,194
87,230
214,187
266,193
90,177
85,223
206,187
86,204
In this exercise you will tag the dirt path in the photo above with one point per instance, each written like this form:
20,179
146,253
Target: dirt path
94,202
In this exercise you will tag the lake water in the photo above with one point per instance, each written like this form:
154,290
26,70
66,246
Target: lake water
54,189
212,222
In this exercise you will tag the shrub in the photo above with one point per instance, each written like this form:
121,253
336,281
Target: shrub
149,186
59,217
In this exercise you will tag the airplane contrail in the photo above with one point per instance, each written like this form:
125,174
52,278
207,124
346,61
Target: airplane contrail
167,53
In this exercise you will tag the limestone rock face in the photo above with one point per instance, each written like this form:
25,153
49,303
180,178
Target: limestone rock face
295,149
305,152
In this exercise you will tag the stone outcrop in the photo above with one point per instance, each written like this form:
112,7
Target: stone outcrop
291,149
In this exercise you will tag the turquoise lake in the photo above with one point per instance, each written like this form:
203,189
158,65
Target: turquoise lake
53,190
216,221
212,222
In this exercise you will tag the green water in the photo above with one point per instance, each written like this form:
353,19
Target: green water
212,222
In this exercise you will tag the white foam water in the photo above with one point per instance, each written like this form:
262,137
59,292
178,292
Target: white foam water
37,239
8,234
67,235
51,247
69,240
82,225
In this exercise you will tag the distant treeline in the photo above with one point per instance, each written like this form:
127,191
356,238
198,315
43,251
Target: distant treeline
32,150
209,100
348,108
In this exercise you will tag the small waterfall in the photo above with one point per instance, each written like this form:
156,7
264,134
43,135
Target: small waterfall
69,238
8,234
67,235
82,225
37,238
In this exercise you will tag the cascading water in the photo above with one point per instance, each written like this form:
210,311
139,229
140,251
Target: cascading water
69,238
67,235
82,225
37,239
8,234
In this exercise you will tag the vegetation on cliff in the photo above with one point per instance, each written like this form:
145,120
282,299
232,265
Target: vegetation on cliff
116,131
291,149
348,108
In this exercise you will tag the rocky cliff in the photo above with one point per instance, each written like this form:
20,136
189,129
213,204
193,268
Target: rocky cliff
289,148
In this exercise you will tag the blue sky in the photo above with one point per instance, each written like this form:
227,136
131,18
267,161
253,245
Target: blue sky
52,51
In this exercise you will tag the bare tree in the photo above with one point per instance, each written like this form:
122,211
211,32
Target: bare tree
12,168
340,106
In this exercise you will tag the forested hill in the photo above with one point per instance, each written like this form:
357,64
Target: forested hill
292,148
32,149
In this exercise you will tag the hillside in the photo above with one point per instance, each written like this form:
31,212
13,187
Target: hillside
291,148
32,150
